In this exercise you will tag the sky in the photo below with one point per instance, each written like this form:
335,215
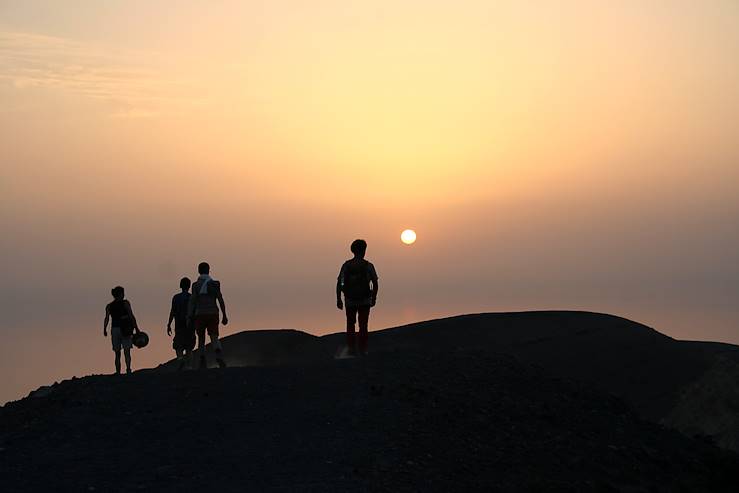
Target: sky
550,155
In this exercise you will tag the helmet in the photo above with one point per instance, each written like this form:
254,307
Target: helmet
140,339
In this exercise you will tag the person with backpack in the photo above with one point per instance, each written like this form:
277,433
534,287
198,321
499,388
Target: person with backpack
358,282
123,324
184,333
203,313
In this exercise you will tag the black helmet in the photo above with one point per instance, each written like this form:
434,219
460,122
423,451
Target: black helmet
140,339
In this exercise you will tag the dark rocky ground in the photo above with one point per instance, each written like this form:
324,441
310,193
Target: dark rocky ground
444,420
689,385
537,401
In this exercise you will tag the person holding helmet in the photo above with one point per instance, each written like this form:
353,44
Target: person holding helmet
358,282
203,313
123,324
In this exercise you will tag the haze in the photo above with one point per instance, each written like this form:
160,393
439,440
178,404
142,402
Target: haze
557,155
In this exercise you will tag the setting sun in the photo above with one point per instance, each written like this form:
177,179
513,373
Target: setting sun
408,236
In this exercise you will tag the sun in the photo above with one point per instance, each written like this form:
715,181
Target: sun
408,236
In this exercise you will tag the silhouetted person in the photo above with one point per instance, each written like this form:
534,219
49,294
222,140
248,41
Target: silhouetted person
203,312
184,333
358,281
123,323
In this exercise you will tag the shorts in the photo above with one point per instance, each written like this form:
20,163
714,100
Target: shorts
119,340
205,323
184,336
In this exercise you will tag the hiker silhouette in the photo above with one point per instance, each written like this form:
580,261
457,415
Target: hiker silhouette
203,313
123,323
357,281
184,333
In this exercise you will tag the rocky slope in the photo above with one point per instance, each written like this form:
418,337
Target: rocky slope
435,407
654,373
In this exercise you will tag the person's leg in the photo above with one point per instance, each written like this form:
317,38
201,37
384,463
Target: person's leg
177,342
363,313
115,339
215,342
181,342
180,357
201,338
200,331
351,320
117,361
190,347
127,356
127,344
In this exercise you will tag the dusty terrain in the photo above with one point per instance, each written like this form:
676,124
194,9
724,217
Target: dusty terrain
687,384
475,403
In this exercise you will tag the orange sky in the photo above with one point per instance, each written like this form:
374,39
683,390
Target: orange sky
574,155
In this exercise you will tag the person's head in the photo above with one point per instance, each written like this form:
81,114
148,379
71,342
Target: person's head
358,248
185,283
204,268
118,292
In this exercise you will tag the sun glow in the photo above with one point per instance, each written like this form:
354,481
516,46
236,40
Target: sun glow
408,236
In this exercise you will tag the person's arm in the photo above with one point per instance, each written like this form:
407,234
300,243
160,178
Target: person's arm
171,317
130,314
105,322
223,306
339,282
375,284
191,307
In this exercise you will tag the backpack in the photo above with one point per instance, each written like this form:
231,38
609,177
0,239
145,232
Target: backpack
356,280
205,304
119,317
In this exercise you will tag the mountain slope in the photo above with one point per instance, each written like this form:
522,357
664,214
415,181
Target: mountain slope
536,401
439,420
648,369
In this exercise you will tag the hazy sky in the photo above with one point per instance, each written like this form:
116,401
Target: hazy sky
550,155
